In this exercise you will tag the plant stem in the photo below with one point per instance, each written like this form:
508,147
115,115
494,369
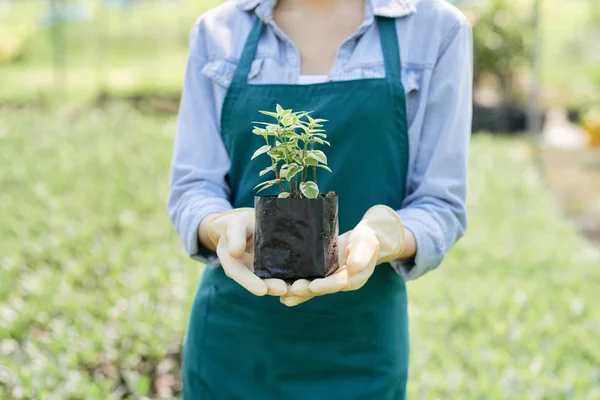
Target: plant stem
281,185
274,163
305,170
312,147
287,156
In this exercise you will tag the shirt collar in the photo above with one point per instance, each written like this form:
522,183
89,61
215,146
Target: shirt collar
382,8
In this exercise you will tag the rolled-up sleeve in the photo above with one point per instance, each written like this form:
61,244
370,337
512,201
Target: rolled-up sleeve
435,207
200,160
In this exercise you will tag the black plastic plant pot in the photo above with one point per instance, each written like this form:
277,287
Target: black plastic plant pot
296,238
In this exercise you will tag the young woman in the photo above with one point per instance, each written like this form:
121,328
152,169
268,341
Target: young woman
393,77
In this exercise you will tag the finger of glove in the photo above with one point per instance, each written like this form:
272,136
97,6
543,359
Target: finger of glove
331,284
359,279
293,301
237,236
361,252
276,287
343,242
240,272
248,260
301,288
250,244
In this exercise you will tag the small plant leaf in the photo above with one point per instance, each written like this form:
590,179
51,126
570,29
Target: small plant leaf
320,156
270,114
311,160
292,172
264,149
279,110
325,167
309,189
286,167
266,185
287,121
276,154
291,134
284,195
266,170
283,170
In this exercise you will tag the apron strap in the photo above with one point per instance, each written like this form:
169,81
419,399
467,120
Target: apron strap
390,48
245,64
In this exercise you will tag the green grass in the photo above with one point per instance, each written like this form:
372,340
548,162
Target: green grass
95,288
138,50
91,274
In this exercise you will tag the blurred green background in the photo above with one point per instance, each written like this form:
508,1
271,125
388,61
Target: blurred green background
95,288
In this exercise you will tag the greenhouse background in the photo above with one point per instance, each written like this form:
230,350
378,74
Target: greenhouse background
95,290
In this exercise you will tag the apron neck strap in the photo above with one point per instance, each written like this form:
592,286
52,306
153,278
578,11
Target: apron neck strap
389,46
245,65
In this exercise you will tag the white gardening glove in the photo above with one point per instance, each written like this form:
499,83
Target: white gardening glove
377,239
233,235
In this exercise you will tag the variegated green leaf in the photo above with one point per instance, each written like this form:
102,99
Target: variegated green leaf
266,185
309,189
270,114
266,170
292,172
319,155
264,149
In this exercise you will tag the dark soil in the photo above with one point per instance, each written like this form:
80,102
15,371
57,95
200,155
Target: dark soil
329,195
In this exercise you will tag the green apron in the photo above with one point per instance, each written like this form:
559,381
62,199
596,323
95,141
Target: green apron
351,345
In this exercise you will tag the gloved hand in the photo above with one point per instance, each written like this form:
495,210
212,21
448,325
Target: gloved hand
377,239
232,233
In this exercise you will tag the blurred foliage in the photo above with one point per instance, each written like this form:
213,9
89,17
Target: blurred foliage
501,49
95,288
14,40
571,52
139,48
570,48
135,48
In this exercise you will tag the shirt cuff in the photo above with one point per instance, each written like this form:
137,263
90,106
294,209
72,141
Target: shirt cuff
429,248
191,241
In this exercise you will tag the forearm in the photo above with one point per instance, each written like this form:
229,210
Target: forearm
434,209
200,159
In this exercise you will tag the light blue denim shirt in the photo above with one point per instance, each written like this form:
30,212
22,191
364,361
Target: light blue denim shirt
436,47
